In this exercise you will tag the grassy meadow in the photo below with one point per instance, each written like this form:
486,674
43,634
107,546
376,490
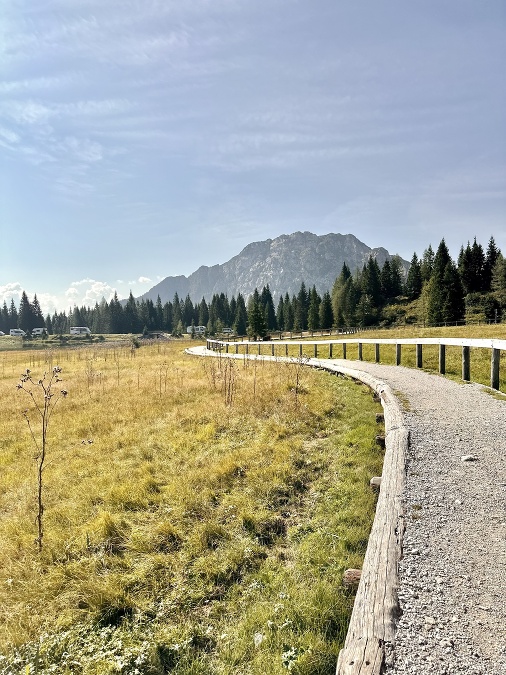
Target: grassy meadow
199,514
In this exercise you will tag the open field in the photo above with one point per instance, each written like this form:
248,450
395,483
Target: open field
199,514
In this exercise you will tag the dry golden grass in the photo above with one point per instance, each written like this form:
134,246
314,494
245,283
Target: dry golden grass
190,505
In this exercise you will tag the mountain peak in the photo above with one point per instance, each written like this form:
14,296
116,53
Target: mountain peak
283,263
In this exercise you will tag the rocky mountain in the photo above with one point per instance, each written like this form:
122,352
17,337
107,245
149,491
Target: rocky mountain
283,263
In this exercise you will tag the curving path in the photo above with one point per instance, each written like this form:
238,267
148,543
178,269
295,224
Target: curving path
452,576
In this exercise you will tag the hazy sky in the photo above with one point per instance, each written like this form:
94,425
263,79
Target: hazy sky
144,138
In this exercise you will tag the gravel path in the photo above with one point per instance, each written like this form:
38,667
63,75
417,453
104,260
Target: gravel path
453,572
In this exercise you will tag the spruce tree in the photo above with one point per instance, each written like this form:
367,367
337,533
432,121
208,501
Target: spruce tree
414,279
492,255
326,314
257,328
268,307
427,264
313,316
26,320
241,316
280,314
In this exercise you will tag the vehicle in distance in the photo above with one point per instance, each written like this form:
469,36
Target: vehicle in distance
227,331
17,332
80,330
199,330
38,331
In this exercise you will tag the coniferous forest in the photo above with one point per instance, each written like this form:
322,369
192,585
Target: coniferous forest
436,290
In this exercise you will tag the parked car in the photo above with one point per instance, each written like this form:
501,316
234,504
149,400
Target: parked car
17,332
38,331
1,332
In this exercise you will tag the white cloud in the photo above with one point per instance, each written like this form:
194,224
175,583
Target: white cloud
11,291
89,291
144,280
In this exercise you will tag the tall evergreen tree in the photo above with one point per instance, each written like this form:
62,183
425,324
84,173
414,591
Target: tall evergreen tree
280,313
288,312
427,264
268,306
491,257
301,309
240,323
313,315
26,320
414,279
4,319
257,327
38,317
326,314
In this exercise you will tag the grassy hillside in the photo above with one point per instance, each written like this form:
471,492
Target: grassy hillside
198,514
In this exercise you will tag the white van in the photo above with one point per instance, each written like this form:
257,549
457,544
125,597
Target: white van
17,332
38,331
199,330
80,330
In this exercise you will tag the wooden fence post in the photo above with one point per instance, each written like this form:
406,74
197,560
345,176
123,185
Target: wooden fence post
272,349
419,356
247,349
344,350
360,351
286,350
226,348
442,359
377,352
259,347
330,350
494,368
316,351
397,354
466,364
237,348
300,351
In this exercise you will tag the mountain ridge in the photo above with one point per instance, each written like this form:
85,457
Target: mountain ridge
283,263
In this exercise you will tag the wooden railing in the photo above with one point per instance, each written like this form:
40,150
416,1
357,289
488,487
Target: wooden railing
318,347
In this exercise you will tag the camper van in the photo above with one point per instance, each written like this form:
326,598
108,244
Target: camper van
17,332
80,330
199,330
38,331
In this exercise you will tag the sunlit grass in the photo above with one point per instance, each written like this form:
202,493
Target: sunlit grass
198,516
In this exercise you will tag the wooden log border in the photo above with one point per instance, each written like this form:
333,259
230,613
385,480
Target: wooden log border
375,614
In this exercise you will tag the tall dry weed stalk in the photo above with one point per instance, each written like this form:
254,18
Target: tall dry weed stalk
44,400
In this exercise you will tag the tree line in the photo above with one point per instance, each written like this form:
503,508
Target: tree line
436,290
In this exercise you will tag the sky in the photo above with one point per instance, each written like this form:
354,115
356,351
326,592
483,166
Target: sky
141,139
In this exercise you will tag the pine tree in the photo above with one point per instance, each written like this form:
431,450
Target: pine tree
38,317
326,314
241,316
445,294
26,320
268,307
313,316
4,319
257,327
203,313
301,309
288,311
414,279
13,315
427,264
280,314
492,256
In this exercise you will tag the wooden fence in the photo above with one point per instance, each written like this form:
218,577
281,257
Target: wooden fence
332,347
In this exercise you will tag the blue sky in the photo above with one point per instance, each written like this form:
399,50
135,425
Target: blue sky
144,138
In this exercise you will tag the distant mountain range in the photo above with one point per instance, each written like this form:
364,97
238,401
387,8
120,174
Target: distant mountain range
283,263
